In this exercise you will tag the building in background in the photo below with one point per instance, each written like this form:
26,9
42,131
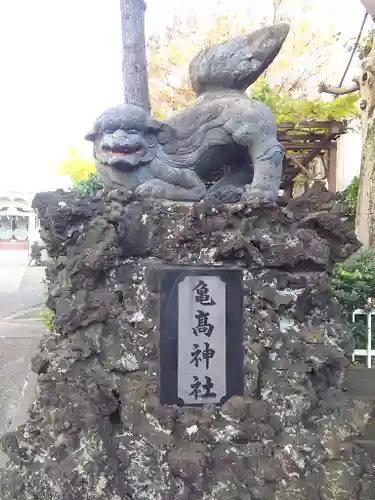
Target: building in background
19,225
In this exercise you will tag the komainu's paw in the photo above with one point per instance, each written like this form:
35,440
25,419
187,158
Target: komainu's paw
226,194
157,188
256,197
150,189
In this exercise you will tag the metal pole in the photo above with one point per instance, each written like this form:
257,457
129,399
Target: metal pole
369,334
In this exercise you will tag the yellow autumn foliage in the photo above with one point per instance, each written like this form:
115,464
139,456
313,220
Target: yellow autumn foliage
76,166
304,61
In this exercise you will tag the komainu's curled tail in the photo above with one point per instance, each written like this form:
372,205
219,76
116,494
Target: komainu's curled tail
236,63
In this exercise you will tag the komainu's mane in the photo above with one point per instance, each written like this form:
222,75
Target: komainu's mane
187,139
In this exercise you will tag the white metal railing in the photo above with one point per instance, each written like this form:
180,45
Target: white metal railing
369,353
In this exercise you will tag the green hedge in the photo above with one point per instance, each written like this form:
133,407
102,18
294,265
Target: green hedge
353,282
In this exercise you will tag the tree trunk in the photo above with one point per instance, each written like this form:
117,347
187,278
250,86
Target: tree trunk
134,66
365,219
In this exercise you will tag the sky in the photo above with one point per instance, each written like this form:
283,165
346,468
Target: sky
61,67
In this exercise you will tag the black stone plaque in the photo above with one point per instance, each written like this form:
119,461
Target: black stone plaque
201,335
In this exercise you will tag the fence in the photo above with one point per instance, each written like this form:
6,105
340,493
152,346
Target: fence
369,353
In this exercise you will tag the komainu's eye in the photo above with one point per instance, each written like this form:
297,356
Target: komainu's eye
132,131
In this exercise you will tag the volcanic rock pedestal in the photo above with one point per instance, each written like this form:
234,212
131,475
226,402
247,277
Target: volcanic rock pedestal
97,429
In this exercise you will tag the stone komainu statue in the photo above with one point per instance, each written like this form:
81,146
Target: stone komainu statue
223,128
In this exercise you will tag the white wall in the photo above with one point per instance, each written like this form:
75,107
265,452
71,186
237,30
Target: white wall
348,158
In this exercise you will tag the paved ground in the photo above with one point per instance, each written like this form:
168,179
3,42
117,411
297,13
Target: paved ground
20,286
21,292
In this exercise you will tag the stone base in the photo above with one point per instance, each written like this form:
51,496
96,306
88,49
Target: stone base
97,430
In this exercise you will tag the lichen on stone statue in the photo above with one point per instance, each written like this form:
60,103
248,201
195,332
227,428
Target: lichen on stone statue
97,430
224,128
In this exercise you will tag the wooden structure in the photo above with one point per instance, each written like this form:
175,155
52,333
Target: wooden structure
306,142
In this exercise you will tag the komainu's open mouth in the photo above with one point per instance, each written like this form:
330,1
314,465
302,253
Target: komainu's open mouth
122,151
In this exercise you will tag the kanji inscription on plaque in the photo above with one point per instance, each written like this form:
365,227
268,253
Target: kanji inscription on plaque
201,331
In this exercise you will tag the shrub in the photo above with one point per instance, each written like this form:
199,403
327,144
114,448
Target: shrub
47,318
347,201
353,282
89,187
47,314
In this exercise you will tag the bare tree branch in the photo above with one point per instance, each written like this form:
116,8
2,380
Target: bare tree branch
324,88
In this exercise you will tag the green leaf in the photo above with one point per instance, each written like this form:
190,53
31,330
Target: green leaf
288,108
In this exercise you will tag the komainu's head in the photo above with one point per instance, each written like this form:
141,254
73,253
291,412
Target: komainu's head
126,137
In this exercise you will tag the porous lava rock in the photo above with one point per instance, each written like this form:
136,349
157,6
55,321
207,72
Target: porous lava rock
97,430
